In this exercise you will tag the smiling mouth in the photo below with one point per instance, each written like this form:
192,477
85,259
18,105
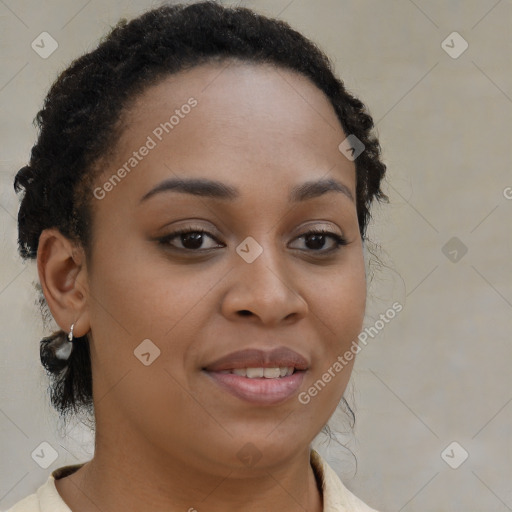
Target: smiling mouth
258,377
265,373
259,386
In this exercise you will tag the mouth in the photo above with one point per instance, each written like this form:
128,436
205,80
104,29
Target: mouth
258,377
266,373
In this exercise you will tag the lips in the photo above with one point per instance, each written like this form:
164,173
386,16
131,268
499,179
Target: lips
277,358
252,375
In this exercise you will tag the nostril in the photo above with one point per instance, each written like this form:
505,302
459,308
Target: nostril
245,312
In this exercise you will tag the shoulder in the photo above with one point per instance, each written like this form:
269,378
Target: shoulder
46,498
336,497
28,504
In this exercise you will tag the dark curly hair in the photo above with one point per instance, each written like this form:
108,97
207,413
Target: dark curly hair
80,123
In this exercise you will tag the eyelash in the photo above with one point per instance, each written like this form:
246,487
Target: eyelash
339,240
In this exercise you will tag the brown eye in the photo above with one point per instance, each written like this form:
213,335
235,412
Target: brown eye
190,239
316,240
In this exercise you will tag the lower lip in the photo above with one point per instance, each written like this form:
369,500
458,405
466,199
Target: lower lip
260,391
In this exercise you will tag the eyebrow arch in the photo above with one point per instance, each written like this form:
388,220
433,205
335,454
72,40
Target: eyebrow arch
216,189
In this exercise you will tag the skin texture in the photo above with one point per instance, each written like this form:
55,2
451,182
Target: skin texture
167,438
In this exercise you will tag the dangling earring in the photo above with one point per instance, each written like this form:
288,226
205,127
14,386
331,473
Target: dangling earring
70,335
64,350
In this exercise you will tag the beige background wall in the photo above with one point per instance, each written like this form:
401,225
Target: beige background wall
439,372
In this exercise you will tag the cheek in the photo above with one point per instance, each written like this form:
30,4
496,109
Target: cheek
136,298
339,308
138,294
340,299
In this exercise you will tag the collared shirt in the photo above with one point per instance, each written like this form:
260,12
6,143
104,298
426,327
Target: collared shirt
336,497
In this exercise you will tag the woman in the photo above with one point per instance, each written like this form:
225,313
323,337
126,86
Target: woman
197,202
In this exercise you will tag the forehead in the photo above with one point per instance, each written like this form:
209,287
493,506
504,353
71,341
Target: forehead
250,125
258,89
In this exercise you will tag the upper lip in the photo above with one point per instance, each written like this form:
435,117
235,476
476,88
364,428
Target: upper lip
255,358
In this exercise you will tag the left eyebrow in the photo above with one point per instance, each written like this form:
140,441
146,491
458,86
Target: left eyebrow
216,189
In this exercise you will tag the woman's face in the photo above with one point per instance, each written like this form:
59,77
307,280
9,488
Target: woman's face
164,309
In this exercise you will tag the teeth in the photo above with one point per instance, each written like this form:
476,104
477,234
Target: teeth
268,373
254,373
271,373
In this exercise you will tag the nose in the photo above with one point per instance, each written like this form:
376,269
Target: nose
264,291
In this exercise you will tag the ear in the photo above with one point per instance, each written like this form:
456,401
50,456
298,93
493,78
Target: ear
63,276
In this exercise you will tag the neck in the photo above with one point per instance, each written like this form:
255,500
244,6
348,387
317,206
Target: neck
141,478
